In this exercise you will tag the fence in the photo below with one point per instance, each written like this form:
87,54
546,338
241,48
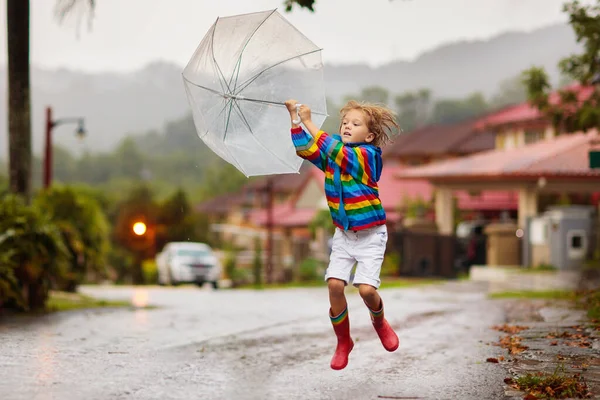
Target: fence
426,253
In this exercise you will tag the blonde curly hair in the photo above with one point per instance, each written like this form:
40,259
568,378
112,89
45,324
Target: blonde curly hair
381,120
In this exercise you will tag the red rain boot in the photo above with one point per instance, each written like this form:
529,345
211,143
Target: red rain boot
341,327
386,334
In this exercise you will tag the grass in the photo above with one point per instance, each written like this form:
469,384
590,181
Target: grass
536,294
385,283
591,302
538,270
62,301
551,386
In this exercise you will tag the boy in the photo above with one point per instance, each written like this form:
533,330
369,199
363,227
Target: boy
352,164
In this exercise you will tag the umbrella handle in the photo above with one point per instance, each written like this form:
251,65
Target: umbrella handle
297,121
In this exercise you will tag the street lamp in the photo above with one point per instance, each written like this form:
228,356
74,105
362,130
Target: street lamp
139,228
50,124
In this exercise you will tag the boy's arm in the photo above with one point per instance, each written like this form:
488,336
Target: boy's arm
306,147
304,143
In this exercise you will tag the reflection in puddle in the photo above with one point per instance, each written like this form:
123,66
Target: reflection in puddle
45,362
141,317
140,298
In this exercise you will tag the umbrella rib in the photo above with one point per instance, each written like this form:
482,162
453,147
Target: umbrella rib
250,80
212,51
239,61
275,103
228,116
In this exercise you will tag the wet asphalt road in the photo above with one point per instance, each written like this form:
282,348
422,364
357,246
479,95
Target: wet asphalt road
245,344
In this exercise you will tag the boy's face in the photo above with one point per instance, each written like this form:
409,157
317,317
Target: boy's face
354,128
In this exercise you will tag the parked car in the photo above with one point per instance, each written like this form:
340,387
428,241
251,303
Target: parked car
188,262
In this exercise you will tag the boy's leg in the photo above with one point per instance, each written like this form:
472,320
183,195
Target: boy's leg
389,338
340,323
369,252
337,276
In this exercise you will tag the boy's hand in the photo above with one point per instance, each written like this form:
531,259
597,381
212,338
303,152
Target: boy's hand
304,113
291,105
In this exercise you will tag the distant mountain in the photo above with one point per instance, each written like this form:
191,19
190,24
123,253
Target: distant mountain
117,104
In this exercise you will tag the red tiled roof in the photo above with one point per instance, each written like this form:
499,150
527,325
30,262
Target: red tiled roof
525,112
440,139
480,142
566,156
220,204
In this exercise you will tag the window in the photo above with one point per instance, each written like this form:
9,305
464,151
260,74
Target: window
193,253
533,136
576,242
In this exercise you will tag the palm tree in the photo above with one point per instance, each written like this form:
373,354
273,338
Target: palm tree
19,90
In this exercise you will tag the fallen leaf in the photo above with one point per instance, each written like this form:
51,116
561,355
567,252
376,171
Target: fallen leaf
554,343
509,328
508,381
492,360
530,397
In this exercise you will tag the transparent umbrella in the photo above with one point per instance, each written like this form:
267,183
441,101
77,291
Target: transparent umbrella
237,82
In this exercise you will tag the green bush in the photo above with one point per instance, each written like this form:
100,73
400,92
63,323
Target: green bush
120,263
33,255
150,271
310,270
85,231
391,264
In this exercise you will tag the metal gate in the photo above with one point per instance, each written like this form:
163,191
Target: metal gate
426,253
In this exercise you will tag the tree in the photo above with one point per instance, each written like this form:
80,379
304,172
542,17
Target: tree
449,111
413,108
371,94
510,91
19,97
19,88
139,206
309,4
572,109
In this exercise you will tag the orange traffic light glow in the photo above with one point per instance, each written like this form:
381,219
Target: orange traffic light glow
139,228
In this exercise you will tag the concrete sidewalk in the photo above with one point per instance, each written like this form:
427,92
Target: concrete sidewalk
544,336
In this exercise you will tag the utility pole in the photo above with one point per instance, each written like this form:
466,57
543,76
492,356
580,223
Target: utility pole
269,249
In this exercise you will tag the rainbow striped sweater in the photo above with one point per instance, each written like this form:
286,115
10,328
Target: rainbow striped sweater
351,175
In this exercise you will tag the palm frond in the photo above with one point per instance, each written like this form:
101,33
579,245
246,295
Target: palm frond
78,9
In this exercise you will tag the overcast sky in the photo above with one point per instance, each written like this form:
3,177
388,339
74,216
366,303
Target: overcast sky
127,34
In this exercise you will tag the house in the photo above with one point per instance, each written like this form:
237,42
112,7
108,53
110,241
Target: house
523,124
229,214
436,143
560,165
530,158
439,142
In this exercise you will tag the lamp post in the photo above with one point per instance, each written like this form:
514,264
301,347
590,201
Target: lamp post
51,124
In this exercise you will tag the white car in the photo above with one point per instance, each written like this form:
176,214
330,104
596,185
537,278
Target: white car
188,262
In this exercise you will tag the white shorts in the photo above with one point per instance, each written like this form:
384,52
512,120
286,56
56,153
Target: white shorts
366,247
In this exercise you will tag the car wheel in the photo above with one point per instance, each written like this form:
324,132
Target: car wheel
171,280
215,284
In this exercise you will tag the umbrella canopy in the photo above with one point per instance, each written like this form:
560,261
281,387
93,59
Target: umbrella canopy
237,82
